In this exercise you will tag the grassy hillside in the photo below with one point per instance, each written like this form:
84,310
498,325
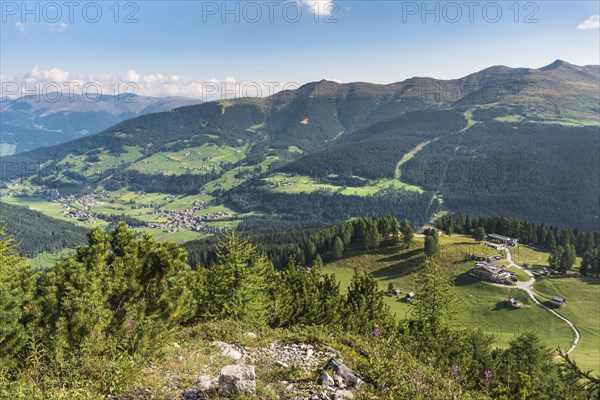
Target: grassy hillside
583,308
480,304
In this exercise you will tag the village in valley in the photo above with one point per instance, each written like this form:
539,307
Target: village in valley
94,207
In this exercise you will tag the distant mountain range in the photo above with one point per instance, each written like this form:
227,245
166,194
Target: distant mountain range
503,141
30,122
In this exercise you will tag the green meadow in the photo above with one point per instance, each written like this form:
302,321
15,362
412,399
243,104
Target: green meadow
305,184
582,308
196,160
480,304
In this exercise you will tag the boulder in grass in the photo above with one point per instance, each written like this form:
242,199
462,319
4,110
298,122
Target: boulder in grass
236,379
350,377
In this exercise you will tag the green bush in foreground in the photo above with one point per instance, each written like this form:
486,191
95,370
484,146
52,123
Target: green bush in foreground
89,325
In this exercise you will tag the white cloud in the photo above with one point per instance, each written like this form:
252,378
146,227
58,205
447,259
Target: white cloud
22,27
51,75
154,84
320,7
132,76
62,27
589,24
56,74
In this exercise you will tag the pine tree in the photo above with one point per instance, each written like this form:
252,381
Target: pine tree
330,300
297,296
567,258
372,237
589,242
17,282
541,235
116,287
318,261
364,308
394,230
74,298
586,263
459,225
555,258
550,241
347,231
434,304
567,238
407,232
479,234
310,249
237,285
432,246
467,228
338,248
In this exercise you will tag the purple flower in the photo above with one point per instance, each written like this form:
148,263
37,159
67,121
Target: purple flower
488,377
377,332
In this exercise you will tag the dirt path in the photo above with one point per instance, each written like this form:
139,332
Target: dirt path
528,287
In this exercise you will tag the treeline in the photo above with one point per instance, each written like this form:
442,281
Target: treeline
86,321
36,233
331,207
306,247
564,245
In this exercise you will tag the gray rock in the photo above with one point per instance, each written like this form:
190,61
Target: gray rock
343,394
228,350
350,377
237,379
326,380
339,381
206,383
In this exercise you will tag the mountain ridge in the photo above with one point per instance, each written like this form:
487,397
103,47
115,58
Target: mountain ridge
33,121
354,135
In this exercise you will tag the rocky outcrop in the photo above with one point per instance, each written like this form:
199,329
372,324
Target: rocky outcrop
237,379
336,381
228,350
342,375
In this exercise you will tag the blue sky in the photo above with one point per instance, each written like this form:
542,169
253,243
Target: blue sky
176,45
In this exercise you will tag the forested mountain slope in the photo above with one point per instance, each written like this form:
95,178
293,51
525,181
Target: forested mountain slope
518,142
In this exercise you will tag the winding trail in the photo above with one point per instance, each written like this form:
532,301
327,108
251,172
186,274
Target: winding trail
528,287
